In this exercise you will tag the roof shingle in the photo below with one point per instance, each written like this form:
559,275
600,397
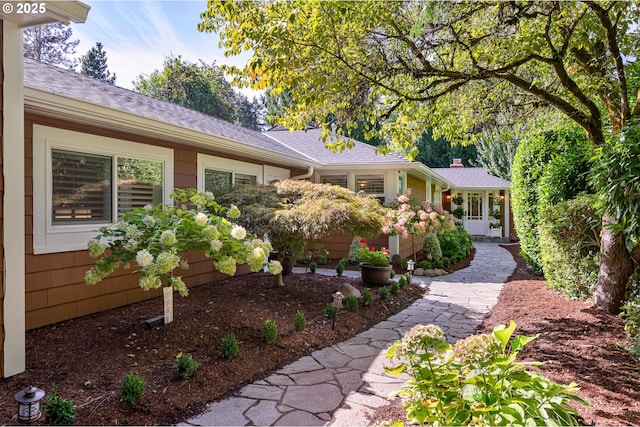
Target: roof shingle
471,178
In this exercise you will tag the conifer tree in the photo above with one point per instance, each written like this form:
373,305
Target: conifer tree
94,64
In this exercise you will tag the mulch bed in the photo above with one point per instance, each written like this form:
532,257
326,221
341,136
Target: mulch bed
577,343
87,358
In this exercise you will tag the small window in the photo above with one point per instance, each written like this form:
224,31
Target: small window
372,185
214,180
244,179
339,180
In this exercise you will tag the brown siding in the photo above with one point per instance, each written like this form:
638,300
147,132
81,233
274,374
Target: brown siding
418,188
338,244
1,196
55,288
407,245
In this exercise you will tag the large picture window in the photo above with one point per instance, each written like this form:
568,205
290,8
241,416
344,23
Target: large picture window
371,184
340,180
82,182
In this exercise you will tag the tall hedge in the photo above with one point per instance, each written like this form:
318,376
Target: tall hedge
570,247
547,169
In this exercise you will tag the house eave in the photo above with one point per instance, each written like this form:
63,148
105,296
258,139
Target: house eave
55,11
60,107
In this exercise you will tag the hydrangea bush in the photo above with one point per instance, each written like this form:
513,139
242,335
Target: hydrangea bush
156,240
477,381
408,216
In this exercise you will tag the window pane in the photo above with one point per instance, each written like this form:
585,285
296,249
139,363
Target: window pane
139,183
81,187
340,180
474,206
243,179
370,184
214,180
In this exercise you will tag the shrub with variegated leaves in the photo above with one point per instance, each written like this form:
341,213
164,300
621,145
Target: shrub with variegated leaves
156,239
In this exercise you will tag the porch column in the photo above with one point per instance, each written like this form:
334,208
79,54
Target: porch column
13,223
507,217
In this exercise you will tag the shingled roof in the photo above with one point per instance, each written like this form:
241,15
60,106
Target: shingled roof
472,178
58,81
310,144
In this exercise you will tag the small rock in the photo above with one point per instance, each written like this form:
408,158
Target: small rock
430,272
348,290
418,272
440,272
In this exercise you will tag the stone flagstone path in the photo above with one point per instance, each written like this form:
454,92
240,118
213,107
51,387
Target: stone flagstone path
341,384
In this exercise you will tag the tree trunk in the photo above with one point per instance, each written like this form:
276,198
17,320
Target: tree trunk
278,280
616,266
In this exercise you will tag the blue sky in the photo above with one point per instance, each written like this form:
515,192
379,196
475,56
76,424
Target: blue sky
137,35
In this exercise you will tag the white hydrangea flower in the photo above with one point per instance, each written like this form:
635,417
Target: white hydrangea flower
168,238
238,232
226,265
95,248
209,196
149,220
166,262
201,219
216,245
233,212
275,267
211,232
144,258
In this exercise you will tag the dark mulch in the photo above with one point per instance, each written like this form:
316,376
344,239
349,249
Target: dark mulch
577,343
88,357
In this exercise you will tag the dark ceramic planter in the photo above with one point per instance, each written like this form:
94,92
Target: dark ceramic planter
373,275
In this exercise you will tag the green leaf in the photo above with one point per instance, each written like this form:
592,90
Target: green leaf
503,333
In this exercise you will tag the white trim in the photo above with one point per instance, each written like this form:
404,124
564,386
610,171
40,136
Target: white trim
50,238
273,173
206,161
13,224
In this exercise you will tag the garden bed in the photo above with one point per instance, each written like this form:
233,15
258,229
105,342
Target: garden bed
578,343
87,358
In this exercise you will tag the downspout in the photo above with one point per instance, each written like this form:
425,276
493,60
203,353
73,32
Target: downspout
306,175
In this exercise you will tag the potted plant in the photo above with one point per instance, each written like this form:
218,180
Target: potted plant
496,227
374,264
458,200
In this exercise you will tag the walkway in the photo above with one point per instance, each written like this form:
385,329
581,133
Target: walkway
341,384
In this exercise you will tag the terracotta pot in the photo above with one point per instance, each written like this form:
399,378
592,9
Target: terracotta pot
373,275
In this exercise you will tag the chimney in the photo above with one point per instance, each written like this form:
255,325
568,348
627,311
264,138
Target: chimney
457,163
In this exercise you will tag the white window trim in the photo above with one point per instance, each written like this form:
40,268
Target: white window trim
49,238
206,161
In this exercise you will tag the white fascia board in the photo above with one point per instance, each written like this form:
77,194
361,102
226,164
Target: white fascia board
382,167
55,11
52,105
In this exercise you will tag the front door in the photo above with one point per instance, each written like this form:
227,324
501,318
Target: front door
475,222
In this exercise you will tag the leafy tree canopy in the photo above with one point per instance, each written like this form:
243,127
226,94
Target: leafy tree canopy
94,64
201,87
50,43
441,65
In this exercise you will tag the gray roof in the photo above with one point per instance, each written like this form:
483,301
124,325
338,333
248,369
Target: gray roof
69,84
471,178
309,143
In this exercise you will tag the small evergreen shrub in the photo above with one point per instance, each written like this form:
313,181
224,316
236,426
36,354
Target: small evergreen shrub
438,263
402,281
313,266
339,269
299,321
392,274
351,303
367,297
395,287
431,246
60,412
185,365
229,347
384,293
425,265
330,310
132,388
446,261
454,242
269,331
408,277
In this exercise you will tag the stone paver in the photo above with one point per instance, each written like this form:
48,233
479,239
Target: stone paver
341,385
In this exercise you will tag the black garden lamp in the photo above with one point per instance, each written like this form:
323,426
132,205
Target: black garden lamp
309,257
29,404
